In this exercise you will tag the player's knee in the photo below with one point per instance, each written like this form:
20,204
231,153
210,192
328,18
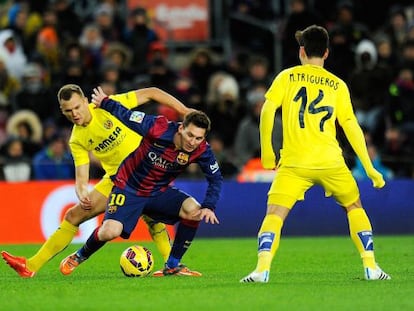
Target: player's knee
189,208
74,215
109,231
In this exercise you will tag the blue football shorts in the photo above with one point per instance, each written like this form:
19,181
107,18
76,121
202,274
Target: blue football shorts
126,207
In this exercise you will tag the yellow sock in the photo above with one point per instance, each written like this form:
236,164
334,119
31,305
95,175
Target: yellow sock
268,240
361,234
54,245
160,236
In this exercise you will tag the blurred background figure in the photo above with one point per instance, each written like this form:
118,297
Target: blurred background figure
26,126
225,109
15,164
12,51
139,37
35,96
358,170
54,162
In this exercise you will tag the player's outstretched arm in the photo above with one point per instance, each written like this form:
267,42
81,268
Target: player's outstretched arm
153,93
356,138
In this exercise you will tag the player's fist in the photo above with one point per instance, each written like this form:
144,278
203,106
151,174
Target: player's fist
377,179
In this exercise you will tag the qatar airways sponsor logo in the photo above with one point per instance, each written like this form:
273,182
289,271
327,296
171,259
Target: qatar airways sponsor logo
160,162
113,140
54,207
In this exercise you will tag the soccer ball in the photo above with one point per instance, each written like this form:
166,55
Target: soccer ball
136,261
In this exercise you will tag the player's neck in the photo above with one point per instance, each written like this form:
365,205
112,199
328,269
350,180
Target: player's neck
315,61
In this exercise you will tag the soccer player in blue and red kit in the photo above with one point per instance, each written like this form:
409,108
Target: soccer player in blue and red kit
143,183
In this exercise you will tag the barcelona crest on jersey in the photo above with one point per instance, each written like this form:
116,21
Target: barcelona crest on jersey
182,158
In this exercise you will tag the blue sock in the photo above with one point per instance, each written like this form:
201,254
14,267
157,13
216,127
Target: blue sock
172,262
184,235
91,246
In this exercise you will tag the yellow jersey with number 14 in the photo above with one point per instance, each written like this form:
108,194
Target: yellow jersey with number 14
105,136
311,99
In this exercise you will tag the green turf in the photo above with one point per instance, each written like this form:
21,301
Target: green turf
308,274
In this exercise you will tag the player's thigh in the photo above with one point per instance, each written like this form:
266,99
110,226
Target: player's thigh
125,208
341,185
98,196
167,206
289,186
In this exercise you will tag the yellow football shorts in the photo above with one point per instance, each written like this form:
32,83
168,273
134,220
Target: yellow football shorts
291,183
104,186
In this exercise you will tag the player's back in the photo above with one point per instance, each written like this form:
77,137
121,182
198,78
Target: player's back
311,99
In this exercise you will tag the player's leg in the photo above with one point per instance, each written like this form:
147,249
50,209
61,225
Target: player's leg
346,193
160,236
285,190
61,238
121,216
167,208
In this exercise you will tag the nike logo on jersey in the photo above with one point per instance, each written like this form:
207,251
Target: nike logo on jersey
366,240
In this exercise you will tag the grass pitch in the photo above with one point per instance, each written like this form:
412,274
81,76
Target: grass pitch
322,273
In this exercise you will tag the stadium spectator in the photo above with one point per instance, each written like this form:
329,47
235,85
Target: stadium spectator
15,164
247,140
12,50
8,87
300,15
257,73
225,109
94,45
139,37
54,161
202,65
368,85
345,34
34,95
358,169
69,24
143,181
26,125
396,27
311,153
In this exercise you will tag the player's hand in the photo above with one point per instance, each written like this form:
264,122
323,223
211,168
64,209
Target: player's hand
376,177
207,215
84,201
97,96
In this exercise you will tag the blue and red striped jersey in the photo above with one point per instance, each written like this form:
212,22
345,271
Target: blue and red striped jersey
156,163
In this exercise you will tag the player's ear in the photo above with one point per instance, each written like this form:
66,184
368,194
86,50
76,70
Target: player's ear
325,56
180,127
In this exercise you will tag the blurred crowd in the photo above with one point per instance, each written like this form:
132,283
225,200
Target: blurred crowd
47,43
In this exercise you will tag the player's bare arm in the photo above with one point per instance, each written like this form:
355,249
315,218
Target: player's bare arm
153,93
81,187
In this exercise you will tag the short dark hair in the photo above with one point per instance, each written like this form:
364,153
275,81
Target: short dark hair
314,39
199,119
66,92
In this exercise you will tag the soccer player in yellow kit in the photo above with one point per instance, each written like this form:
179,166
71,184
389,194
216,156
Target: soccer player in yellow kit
98,132
312,100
